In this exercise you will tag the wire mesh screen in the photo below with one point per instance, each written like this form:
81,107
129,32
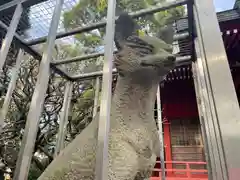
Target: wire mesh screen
37,19
40,16
75,13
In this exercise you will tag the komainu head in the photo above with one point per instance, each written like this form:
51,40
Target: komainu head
141,54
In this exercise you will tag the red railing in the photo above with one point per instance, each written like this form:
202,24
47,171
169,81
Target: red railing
186,173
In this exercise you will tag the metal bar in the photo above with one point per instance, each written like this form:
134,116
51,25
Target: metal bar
101,168
91,75
64,117
96,55
213,134
4,26
10,34
7,7
96,96
180,61
76,59
11,88
191,26
21,43
160,132
39,57
155,9
203,109
190,17
225,104
36,106
11,4
98,25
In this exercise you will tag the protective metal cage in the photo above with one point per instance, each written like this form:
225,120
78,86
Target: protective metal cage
200,46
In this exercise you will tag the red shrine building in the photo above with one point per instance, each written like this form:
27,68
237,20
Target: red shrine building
183,140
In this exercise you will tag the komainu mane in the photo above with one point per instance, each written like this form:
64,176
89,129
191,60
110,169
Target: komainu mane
142,62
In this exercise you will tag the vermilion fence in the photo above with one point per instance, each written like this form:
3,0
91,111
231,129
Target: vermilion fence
186,173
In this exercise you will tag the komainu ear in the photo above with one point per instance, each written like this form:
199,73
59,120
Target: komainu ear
125,27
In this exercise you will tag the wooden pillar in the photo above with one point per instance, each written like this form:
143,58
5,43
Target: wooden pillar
167,143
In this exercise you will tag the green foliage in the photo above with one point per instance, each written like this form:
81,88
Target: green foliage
88,94
89,39
70,50
168,16
102,5
85,12
89,11
82,108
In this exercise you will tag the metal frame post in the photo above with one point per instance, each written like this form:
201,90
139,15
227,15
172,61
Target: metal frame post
96,96
10,34
224,105
101,169
33,118
11,88
203,110
160,132
64,117
210,117
215,156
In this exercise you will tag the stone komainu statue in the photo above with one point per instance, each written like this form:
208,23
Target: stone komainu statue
142,62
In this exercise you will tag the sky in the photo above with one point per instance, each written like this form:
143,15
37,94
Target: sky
222,5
